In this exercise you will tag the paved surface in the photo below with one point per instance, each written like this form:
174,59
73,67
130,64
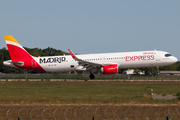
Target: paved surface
164,97
120,80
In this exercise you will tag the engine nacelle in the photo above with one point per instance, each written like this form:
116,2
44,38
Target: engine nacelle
109,69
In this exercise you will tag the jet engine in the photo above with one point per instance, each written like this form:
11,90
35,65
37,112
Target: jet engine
109,69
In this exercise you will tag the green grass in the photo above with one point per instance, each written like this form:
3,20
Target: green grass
85,92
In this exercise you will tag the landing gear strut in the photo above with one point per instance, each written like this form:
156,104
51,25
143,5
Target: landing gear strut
157,69
91,76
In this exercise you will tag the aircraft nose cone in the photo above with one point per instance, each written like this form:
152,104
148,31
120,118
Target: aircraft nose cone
175,59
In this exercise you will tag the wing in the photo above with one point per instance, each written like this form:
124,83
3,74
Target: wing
86,64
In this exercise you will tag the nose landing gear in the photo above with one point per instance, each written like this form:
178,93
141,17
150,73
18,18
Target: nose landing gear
157,70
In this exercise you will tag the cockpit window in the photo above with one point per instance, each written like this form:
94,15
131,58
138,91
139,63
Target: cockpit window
167,55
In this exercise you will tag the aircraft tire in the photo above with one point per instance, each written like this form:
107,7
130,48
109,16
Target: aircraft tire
91,76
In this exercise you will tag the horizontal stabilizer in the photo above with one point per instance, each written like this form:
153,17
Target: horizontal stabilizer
18,63
10,63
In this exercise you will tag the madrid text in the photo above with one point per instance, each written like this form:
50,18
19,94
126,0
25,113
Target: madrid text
52,60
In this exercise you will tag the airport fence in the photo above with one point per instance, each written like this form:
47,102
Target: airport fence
85,77
91,112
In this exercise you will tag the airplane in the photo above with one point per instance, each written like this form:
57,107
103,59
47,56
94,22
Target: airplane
106,63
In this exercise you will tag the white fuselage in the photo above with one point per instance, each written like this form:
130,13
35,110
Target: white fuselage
122,59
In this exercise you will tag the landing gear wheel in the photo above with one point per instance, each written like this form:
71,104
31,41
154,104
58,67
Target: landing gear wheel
91,76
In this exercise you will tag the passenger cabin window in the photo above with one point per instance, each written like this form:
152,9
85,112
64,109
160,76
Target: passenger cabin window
167,55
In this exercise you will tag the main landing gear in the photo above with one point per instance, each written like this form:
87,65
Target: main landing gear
91,76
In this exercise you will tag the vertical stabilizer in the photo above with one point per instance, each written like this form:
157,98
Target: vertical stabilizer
20,57
16,51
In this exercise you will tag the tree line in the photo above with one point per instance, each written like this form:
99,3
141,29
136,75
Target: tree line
4,55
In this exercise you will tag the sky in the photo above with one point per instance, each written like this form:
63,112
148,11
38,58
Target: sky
93,26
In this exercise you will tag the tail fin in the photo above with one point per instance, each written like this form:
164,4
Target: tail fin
16,51
20,57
